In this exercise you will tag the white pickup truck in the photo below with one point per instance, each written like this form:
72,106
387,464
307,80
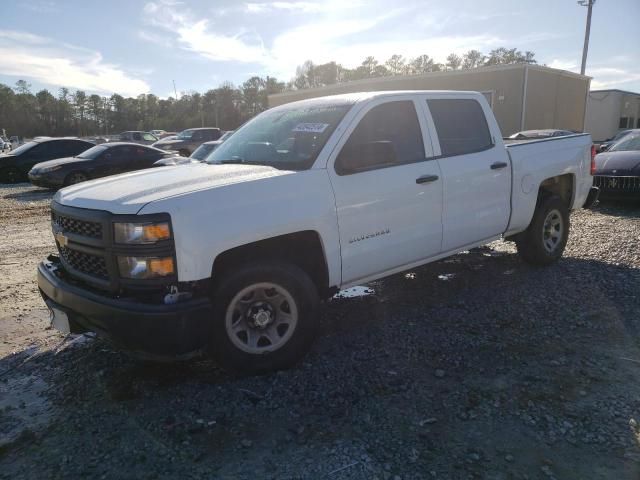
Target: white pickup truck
233,257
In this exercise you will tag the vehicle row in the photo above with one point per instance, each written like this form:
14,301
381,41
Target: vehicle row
57,162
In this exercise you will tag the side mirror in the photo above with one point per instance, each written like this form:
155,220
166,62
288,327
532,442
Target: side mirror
366,156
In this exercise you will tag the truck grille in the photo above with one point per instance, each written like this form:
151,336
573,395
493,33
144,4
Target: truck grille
618,184
86,263
89,253
79,227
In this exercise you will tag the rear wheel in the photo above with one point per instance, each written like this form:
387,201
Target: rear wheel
264,317
543,242
10,175
75,177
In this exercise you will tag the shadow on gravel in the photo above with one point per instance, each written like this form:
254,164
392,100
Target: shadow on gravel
476,366
629,208
31,195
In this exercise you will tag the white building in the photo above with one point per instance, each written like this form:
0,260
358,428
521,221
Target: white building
609,111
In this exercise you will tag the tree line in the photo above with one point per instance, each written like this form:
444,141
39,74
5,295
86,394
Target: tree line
76,113
309,75
79,114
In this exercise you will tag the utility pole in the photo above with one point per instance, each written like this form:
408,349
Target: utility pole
585,48
176,92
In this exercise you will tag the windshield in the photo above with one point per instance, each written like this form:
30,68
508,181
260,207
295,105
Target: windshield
185,135
285,138
627,145
92,153
24,148
202,151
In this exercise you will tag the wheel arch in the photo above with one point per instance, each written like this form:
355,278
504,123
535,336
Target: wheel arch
564,186
304,249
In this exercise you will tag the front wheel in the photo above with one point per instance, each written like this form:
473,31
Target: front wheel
543,242
265,317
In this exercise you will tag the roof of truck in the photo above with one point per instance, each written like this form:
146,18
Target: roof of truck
351,98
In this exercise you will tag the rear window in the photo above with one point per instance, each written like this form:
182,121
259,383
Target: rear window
461,126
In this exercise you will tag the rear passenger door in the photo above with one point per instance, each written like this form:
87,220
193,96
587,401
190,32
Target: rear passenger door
388,190
476,174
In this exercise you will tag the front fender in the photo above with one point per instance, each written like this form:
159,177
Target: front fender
209,222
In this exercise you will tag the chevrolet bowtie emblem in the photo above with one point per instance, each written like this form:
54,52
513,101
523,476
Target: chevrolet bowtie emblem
61,239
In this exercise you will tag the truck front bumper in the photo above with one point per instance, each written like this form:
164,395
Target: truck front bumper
152,330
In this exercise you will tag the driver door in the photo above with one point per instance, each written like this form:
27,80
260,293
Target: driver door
388,190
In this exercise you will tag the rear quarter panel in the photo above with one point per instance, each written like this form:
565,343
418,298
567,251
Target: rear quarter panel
536,161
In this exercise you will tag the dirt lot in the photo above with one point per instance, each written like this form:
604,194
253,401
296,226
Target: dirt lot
474,367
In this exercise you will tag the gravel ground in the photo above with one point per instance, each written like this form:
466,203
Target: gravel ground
477,366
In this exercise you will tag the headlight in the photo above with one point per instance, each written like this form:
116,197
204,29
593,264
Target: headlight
141,232
145,267
46,169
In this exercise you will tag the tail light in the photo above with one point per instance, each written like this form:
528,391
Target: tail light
593,160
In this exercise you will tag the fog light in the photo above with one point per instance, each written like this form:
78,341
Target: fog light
145,267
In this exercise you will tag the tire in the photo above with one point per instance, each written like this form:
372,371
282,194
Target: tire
543,242
10,175
264,317
75,177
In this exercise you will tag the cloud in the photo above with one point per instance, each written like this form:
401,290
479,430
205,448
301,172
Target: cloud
39,6
614,74
329,36
197,36
59,64
300,7
612,77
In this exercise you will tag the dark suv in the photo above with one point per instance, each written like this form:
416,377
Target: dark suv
15,165
188,140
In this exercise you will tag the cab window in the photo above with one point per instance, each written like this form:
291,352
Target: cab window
387,136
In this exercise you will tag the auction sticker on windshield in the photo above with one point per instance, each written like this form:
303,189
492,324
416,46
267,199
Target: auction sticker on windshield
311,127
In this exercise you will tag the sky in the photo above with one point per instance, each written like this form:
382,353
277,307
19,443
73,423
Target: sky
132,47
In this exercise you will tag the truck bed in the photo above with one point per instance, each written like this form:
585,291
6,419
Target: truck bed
532,161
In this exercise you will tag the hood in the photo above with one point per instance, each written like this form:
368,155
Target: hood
624,163
129,192
56,162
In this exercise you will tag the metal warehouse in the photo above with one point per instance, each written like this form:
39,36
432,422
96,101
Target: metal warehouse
609,111
522,96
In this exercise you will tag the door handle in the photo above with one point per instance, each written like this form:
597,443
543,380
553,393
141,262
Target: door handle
498,165
427,179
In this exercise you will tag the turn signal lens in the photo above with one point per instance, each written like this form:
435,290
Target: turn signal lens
145,267
593,160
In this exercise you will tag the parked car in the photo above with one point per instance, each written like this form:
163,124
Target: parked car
538,134
617,171
199,155
604,146
4,144
141,138
16,141
305,199
15,165
99,161
188,140
158,133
